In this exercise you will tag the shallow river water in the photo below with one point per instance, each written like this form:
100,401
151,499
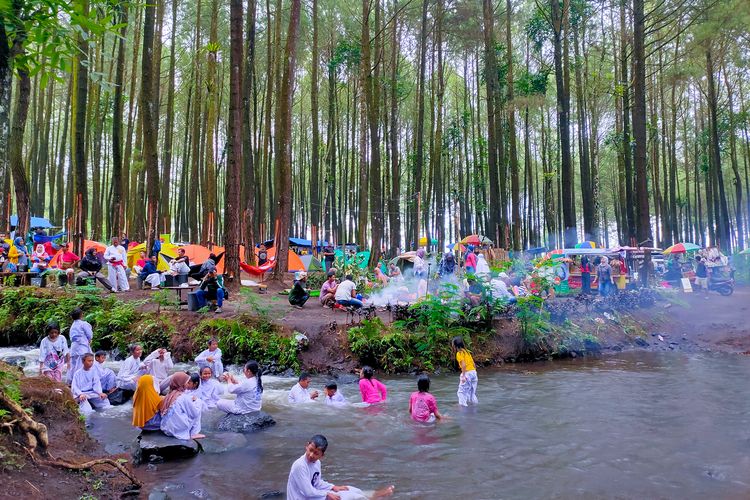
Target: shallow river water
635,425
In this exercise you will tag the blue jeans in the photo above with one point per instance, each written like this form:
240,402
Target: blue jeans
351,302
202,297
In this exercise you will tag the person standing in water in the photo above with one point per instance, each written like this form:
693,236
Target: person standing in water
467,387
422,404
81,334
372,390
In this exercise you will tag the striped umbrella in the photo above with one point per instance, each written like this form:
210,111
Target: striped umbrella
681,248
586,244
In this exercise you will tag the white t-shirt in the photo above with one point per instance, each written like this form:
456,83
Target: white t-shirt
299,394
345,289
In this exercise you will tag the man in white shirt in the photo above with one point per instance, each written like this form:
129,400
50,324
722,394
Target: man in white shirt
346,293
116,257
300,392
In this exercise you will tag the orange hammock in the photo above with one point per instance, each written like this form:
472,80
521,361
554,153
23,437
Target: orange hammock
258,270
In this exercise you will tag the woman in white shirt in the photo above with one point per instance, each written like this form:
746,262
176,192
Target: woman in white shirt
249,392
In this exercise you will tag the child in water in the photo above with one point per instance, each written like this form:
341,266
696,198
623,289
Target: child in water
467,387
372,389
53,352
211,357
333,396
422,404
305,481
210,390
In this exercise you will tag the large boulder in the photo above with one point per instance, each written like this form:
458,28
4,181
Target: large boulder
249,422
155,447
221,442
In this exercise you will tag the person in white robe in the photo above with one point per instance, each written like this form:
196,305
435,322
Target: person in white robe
81,334
131,369
106,376
181,408
211,357
333,395
116,257
87,389
159,363
210,390
249,392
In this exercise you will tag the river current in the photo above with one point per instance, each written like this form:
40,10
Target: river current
634,425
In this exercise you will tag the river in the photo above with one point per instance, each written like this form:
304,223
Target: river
634,425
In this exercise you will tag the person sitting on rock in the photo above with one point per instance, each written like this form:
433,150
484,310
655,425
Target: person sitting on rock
306,482
300,392
299,293
87,389
146,402
181,408
249,392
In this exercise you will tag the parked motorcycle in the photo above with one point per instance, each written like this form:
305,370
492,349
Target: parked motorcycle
724,286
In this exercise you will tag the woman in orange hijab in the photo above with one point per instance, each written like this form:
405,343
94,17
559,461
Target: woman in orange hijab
146,402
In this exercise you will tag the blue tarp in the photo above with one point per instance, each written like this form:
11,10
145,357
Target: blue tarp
40,238
35,222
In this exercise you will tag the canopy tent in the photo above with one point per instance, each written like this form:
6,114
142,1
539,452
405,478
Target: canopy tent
423,241
33,223
297,242
100,248
681,248
359,259
476,239
311,263
587,244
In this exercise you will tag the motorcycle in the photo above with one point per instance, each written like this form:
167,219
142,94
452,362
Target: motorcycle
724,286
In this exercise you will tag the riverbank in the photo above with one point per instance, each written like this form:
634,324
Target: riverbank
51,404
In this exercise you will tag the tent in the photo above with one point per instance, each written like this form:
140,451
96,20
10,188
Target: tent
100,248
33,223
295,264
311,263
168,249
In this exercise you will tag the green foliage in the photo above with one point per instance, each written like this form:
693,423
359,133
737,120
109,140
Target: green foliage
241,340
165,298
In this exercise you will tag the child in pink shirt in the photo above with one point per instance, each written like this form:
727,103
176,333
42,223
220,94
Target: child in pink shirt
372,390
422,404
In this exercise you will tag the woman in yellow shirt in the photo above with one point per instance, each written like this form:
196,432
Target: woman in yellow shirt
467,387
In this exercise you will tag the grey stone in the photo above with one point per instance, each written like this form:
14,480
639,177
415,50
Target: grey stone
157,495
220,442
347,378
156,447
249,422
16,360
271,494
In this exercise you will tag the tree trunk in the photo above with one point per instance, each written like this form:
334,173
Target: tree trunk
282,144
723,236
117,210
150,114
232,203
78,144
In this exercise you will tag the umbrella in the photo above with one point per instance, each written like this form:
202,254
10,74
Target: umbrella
559,251
681,248
586,244
457,247
34,222
476,239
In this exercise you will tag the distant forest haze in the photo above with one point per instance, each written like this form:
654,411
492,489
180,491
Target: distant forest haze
380,122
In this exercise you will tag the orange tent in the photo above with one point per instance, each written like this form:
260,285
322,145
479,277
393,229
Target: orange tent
100,248
295,263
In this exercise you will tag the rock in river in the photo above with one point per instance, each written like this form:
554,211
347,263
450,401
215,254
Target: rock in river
157,447
249,422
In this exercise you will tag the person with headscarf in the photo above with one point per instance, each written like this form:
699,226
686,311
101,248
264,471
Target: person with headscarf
181,408
420,269
146,402
447,265
90,267
483,269
471,260
40,259
299,293
18,255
